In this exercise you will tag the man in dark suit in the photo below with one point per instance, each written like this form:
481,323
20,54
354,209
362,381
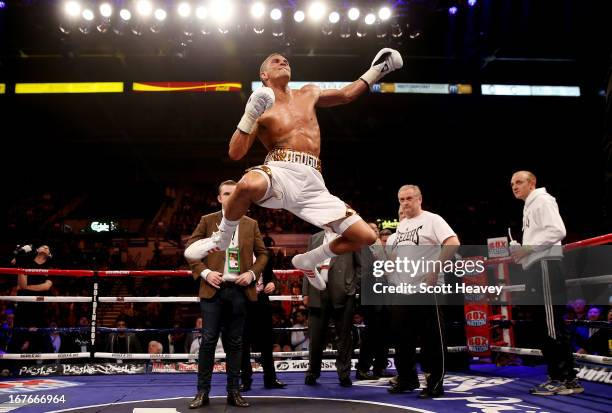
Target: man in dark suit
374,346
227,280
258,331
337,301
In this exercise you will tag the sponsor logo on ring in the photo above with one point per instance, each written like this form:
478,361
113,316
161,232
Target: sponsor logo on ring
476,318
478,344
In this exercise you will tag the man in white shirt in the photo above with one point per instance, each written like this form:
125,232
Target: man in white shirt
541,258
420,234
299,339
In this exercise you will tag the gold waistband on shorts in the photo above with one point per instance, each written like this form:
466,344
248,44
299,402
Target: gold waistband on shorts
289,155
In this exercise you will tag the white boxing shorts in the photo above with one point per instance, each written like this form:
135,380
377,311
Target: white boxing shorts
296,185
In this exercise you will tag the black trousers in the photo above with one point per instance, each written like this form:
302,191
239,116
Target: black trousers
258,332
226,310
374,348
545,283
318,321
424,321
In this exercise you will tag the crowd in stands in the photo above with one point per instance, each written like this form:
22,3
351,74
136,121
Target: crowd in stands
27,215
193,205
589,339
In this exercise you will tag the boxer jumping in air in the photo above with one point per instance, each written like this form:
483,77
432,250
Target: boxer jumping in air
285,121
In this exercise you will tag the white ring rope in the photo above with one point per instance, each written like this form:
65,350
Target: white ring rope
286,298
601,279
149,299
188,356
513,288
157,299
573,282
536,352
44,299
43,356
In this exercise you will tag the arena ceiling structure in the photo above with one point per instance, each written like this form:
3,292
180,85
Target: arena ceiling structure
474,33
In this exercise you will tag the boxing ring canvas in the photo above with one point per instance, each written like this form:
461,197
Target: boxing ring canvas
484,389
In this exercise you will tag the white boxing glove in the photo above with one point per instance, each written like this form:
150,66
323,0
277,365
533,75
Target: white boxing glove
260,100
385,61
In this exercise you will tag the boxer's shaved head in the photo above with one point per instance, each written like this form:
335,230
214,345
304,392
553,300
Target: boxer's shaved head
264,64
263,69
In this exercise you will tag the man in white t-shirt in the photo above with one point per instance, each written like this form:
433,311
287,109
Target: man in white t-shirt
420,235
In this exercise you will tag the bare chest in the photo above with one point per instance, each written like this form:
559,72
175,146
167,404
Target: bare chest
286,117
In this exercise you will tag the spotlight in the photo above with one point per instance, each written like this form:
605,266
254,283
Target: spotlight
316,11
72,8
299,16
258,10
221,11
160,16
144,8
201,13
276,14
332,20
384,13
353,13
334,17
72,11
125,15
184,10
453,10
364,26
88,15
85,25
472,3
278,29
2,5
106,11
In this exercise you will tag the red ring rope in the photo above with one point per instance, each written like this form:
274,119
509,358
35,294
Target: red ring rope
600,240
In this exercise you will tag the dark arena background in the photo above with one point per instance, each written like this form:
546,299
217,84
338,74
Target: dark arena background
116,119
